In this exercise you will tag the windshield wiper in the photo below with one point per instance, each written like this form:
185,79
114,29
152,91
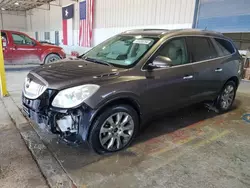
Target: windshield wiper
97,61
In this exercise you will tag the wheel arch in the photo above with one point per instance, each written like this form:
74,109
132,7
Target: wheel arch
116,101
47,54
235,79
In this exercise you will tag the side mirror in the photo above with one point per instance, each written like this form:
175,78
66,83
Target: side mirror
80,56
33,43
160,62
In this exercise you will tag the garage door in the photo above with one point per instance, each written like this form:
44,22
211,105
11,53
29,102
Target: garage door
223,15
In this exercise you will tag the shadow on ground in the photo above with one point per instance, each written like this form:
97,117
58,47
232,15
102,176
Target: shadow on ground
178,119
76,157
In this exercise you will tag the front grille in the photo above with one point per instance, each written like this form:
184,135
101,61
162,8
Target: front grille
32,90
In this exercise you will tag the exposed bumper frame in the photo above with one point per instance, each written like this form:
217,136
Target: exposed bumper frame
46,118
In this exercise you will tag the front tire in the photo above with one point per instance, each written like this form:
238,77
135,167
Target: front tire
226,97
114,129
51,58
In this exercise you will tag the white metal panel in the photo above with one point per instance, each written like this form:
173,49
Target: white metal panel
121,13
55,17
100,34
114,16
13,22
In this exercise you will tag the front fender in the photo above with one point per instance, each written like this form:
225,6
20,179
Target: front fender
97,102
94,111
52,51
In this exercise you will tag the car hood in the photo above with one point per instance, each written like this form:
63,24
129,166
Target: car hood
68,73
46,46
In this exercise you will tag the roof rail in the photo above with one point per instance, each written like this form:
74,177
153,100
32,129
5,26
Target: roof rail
156,29
210,31
149,29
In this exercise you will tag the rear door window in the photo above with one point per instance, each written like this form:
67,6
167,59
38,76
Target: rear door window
201,49
224,47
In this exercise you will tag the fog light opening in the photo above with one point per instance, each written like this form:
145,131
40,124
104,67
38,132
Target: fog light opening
68,127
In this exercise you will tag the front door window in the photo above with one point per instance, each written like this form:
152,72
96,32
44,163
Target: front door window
20,39
175,50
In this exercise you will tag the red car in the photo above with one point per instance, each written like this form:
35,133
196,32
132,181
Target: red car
19,48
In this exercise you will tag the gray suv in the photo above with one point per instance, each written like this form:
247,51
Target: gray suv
106,95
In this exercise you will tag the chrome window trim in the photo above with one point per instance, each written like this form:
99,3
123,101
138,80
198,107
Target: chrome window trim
193,63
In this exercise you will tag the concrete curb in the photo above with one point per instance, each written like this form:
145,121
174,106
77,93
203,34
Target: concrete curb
53,172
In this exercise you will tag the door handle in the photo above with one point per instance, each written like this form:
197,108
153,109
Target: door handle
14,47
188,77
218,70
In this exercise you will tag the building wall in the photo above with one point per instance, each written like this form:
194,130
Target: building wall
120,13
13,20
226,16
113,16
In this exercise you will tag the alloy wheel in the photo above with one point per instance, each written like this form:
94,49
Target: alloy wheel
53,59
116,131
227,97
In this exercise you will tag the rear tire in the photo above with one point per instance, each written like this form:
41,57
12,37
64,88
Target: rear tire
51,58
114,129
226,97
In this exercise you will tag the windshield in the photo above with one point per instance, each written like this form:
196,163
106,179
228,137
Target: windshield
121,50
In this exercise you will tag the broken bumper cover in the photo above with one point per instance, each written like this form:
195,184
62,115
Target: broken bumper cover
34,116
40,112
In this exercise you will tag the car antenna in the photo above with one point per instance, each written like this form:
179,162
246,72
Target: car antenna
206,28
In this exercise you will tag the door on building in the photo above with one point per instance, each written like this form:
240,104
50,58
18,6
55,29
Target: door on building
47,36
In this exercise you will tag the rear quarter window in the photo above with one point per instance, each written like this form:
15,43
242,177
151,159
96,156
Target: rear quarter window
224,47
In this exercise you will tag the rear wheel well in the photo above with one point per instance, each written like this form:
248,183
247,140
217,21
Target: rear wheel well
235,80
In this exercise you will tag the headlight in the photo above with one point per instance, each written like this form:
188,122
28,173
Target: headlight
74,96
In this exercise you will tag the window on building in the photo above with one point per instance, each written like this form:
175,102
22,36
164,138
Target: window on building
57,37
36,35
47,36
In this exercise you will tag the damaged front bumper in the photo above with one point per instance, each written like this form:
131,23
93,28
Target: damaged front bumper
65,122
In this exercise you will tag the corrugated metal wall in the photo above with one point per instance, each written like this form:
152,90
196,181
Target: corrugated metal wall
13,20
127,13
224,15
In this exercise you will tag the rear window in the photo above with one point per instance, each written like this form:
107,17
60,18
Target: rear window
224,47
201,48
